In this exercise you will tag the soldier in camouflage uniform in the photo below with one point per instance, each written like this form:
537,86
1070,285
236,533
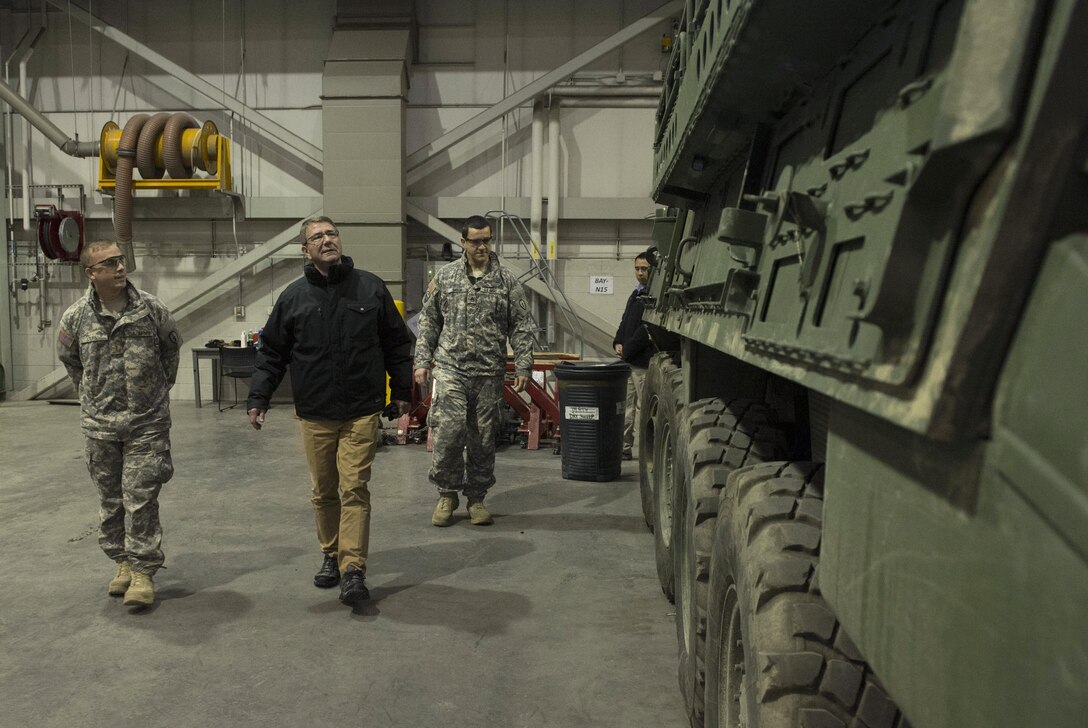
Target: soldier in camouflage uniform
121,348
470,309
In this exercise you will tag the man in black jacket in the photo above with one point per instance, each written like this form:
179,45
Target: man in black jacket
340,331
632,344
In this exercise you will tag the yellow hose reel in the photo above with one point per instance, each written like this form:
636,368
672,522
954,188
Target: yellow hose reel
199,147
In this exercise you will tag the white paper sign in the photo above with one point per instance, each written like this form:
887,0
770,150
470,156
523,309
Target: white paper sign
582,413
601,285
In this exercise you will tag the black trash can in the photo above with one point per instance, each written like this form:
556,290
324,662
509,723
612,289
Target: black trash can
591,405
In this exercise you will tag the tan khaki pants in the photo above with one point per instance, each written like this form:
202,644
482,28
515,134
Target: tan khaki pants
340,454
634,399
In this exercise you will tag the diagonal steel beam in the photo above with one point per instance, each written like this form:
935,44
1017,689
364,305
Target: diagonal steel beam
286,138
191,300
433,223
541,85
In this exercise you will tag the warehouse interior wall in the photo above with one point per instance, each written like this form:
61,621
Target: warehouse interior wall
270,56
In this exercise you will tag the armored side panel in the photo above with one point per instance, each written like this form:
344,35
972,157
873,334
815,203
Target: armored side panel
884,206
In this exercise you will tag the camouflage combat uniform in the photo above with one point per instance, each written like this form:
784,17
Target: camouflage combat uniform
123,366
463,329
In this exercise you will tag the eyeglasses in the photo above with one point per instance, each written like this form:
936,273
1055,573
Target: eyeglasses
318,237
108,262
478,242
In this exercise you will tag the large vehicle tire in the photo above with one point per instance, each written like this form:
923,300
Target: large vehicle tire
647,429
716,438
670,396
776,655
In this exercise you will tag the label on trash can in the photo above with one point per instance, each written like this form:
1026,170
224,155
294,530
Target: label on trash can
582,413
620,407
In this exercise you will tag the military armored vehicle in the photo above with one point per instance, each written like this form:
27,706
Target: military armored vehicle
865,436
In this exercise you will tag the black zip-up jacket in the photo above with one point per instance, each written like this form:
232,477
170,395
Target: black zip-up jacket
637,348
340,335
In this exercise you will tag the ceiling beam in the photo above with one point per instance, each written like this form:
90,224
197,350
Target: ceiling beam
541,85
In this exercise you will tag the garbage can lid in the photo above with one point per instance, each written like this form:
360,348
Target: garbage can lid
592,372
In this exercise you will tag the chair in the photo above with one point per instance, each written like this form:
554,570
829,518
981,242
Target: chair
236,362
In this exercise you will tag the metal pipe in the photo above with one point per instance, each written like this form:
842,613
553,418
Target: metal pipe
536,176
9,155
617,103
26,143
653,92
605,75
43,270
551,246
51,131
43,322
499,234
8,272
24,58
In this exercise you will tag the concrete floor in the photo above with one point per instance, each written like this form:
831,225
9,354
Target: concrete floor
550,617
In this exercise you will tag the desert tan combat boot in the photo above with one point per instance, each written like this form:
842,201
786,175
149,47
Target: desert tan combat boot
120,583
443,512
141,593
477,514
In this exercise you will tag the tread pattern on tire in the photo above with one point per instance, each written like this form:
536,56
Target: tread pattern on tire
717,438
647,431
670,385
801,653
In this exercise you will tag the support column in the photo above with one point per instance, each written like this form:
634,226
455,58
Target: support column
6,323
364,90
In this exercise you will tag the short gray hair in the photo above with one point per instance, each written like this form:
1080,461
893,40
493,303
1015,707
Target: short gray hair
311,221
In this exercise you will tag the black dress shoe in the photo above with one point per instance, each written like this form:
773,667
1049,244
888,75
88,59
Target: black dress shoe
353,588
329,574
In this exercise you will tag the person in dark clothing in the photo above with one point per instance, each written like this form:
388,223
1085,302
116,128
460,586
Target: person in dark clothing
632,344
340,332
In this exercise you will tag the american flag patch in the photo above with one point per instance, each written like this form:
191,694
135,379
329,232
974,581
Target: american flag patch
65,339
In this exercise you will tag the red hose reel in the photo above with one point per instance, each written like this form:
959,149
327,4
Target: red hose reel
60,232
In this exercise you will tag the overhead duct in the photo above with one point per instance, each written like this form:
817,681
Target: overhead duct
51,131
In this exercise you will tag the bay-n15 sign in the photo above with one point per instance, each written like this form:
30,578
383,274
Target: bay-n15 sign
601,285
